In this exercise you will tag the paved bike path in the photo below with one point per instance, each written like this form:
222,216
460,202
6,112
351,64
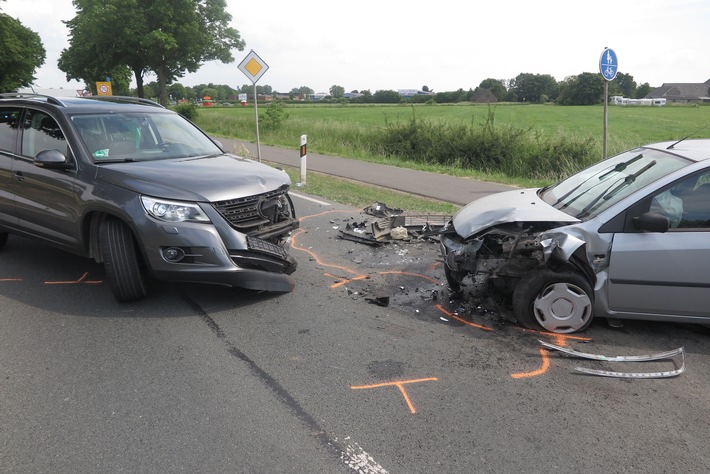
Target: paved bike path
442,187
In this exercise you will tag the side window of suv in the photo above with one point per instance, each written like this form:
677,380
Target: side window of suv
41,132
9,122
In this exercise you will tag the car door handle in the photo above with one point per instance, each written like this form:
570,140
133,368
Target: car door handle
19,176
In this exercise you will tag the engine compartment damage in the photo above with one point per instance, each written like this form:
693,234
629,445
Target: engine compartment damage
504,253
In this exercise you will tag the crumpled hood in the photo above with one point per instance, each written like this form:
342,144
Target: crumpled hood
510,206
214,178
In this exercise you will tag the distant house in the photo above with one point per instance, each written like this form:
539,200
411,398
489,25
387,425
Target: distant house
409,93
483,96
682,93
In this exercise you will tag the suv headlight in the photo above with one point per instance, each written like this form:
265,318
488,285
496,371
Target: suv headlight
172,211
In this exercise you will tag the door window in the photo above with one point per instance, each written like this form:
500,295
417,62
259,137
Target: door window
9,121
686,203
41,132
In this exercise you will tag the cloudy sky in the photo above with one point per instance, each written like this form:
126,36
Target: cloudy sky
444,45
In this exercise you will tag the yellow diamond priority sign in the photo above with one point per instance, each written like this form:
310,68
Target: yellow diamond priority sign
253,66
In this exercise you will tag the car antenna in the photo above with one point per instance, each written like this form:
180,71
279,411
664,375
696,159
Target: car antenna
685,138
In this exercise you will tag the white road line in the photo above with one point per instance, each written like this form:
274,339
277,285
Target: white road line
358,460
322,203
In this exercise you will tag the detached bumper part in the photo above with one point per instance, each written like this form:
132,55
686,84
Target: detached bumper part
669,355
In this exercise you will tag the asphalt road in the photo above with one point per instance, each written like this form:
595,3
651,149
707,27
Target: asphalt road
209,379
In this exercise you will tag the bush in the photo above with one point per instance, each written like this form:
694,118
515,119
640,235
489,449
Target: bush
189,111
274,115
487,147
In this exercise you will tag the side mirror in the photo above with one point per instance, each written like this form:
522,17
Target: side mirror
652,222
52,159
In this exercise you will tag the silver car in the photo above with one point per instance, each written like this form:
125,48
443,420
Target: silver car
626,238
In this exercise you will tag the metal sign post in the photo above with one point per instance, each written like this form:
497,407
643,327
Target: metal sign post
608,67
254,67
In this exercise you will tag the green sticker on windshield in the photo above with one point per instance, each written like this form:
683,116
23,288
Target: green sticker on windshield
101,153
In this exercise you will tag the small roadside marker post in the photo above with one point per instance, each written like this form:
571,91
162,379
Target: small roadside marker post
304,159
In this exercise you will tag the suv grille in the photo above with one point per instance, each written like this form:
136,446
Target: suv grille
252,213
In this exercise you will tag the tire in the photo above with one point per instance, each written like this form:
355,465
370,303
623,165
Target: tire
559,302
3,239
121,261
454,278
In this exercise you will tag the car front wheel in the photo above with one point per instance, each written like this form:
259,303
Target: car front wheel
121,261
560,302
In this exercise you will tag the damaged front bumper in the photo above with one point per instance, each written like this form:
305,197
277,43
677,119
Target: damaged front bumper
505,252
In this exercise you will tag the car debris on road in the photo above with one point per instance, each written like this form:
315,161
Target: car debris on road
669,355
393,224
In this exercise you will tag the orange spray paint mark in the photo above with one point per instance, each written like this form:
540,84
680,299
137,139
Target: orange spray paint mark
400,386
80,280
534,373
461,320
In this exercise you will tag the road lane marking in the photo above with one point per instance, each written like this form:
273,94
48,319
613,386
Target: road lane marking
307,198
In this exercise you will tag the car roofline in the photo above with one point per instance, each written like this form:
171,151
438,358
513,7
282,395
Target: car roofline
119,99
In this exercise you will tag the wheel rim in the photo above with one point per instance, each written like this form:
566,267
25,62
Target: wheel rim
562,308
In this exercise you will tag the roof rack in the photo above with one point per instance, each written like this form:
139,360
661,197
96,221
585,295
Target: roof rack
125,99
28,95
56,101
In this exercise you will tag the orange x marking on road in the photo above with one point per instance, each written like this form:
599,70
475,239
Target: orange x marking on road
400,385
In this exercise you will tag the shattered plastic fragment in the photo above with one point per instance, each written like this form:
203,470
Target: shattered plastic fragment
399,233
379,300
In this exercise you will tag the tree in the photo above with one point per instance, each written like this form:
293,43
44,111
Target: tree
626,83
585,89
337,92
166,37
535,88
21,53
643,90
386,97
495,85
302,91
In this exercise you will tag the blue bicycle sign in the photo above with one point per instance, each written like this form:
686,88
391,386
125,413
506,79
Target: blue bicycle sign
608,64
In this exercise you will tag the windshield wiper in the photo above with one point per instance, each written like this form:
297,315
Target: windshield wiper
619,167
610,193
116,160
622,166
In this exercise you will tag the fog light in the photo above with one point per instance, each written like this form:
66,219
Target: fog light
173,254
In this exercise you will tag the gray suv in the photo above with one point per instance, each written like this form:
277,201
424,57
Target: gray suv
138,187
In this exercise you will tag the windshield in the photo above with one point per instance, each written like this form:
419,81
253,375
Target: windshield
141,136
600,186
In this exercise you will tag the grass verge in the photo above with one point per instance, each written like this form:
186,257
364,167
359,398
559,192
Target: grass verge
360,195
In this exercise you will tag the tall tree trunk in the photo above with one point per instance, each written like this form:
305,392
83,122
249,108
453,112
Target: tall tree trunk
163,85
138,72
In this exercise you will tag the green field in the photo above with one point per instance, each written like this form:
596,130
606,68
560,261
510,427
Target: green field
348,130
537,144
330,128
